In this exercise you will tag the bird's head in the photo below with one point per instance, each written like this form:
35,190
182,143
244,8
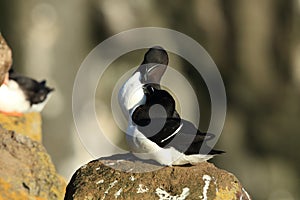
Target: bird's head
154,65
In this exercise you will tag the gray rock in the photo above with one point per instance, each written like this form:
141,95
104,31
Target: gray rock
125,177
5,58
26,170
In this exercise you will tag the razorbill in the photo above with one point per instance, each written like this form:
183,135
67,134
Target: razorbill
21,94
156,133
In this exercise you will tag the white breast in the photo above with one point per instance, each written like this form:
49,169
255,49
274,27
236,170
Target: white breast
131,94
12,98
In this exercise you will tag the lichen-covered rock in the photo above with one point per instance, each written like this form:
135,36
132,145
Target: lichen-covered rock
120,177
5,58
26,170
29,124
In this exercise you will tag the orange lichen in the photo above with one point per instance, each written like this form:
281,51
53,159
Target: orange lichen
228,193
28,124
7,192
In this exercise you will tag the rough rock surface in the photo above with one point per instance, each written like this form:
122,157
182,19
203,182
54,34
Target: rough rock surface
26,170
5,58
29,124
120,177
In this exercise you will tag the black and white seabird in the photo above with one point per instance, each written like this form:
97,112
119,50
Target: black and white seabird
156,133
151,70
155,129
21,94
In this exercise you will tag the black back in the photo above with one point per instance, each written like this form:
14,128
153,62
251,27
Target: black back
170,130
154,96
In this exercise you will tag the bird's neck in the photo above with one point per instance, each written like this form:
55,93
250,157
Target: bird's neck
132,94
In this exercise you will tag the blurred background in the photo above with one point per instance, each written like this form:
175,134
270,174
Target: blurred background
255,44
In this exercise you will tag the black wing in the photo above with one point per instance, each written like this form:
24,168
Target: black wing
170,130
177,133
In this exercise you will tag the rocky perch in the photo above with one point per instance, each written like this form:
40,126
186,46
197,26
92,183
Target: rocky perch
26,170
5,58
29,124
122,177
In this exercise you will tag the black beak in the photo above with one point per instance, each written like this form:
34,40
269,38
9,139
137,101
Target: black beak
150,88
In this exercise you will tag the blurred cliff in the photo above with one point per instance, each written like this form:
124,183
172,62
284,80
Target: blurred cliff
255,44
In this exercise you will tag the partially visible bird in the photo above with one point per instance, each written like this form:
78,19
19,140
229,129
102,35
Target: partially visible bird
21,94
157,132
